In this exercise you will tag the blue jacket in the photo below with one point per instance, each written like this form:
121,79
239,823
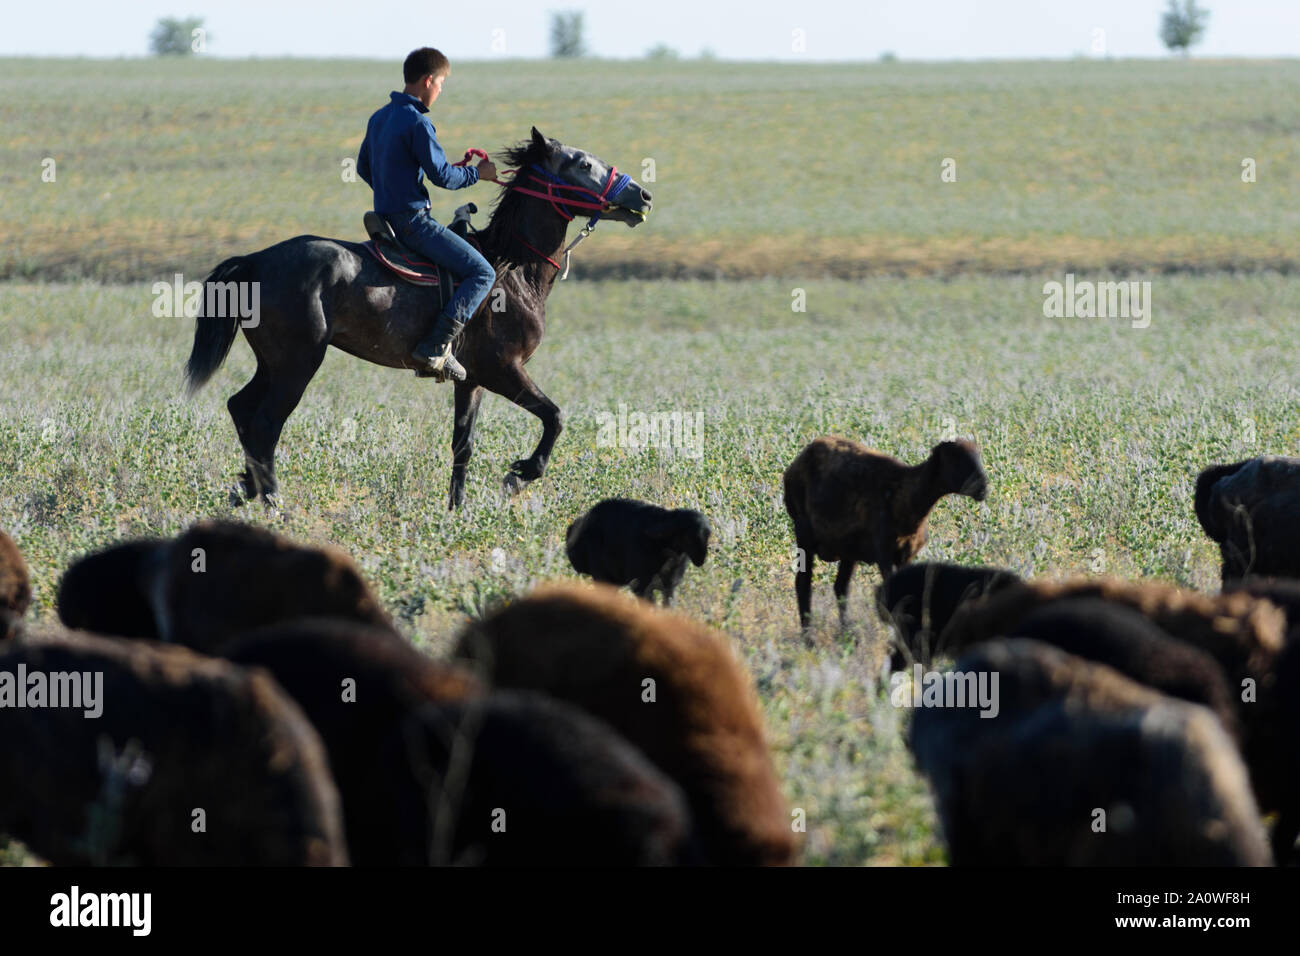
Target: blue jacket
399,146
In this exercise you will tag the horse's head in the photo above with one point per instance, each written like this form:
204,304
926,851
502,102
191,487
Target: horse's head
573,174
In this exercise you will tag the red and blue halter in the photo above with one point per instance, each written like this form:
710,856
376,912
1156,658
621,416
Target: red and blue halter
590,199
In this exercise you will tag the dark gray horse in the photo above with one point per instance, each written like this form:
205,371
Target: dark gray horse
314,293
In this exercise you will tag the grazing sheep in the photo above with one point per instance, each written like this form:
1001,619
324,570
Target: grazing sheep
542,784
1072,738
175,733
1251,509
850,504
1127,642
211,583
920,599
424,760
15,587
620,541
1243,634
670,685
107,592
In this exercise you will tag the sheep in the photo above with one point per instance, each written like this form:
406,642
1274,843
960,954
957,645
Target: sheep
850,504
920,599
1083,767
1242,633
670,685
211,583
1251,509
620,541
543,784
1124,640
168,759
107,592
425,760
15,587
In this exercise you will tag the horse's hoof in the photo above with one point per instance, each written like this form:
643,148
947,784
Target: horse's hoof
235,496
513,483
527,469
273,501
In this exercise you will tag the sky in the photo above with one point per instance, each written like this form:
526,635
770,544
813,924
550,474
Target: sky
739,29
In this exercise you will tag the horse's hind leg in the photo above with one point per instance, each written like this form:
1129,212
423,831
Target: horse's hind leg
242,406
468,398
280,396
513,382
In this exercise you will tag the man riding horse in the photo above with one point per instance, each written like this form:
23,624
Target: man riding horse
399,150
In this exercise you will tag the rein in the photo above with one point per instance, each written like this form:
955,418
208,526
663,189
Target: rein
592,200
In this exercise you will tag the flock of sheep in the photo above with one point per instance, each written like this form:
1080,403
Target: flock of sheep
256,705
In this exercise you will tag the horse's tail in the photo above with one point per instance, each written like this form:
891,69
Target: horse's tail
214,335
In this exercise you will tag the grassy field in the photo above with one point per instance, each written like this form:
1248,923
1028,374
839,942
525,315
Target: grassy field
1091,432
924,317
797,170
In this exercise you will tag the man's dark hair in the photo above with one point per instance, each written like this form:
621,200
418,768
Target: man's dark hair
422,62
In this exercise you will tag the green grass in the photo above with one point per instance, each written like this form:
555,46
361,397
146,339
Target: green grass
1092,432
760,168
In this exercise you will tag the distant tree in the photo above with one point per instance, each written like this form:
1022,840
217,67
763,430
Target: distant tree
708,53
1182,25
175,37
661,51
888,56
566,34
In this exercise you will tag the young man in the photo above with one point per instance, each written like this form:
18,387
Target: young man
399,150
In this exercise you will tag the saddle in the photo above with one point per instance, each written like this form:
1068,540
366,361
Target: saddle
408,265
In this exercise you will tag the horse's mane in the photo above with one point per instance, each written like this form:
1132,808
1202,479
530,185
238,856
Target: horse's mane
509,207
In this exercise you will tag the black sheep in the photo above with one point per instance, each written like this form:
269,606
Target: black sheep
157,733
1082,767
1123,639
107,592
424,759
919,600
1251,509
620,541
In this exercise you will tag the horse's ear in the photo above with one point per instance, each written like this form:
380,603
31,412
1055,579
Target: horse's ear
540,141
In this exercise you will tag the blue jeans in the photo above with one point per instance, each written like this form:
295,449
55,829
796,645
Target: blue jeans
422,233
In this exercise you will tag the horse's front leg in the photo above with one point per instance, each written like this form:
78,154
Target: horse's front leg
468,397
515,384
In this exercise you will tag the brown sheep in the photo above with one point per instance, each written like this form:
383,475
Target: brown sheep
850,504
668,684
426,763
211,583
1251,509
15,587
175,733
1122,639
1244,635
1072,738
